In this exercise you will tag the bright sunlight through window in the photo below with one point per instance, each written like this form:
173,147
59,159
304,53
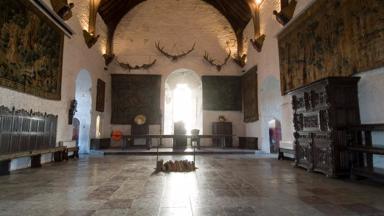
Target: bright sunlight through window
183,106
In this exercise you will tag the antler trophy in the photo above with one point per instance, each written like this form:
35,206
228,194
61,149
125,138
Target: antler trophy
173,57
212,60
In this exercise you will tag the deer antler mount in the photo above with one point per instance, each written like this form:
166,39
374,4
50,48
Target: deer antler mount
173,57
129,67
212,60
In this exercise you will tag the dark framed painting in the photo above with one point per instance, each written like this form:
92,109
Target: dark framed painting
134,95
100,95
222,93
332,38
250,95
31,49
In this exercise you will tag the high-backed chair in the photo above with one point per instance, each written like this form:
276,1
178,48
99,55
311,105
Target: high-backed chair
180,139
140,129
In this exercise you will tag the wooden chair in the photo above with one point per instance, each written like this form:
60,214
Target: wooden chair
140,131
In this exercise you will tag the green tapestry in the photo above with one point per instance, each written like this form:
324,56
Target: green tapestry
222,93
134,95
30,50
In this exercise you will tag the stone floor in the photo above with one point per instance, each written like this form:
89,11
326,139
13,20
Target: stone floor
223,185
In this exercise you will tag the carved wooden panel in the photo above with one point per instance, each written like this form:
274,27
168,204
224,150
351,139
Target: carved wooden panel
133,95
332,38
22,130
250,99
100,96
222,93
320,109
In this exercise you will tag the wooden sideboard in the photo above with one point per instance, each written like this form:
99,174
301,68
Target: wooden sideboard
222,128
320,108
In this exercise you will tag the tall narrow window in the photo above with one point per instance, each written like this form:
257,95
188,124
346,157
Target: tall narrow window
98,131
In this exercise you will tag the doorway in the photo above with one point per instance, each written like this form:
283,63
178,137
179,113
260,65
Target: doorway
274,135
183,101
84,105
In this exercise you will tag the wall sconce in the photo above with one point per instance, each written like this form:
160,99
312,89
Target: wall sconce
258,42
240,60
286,12
62,8
108,58
108,55
90,38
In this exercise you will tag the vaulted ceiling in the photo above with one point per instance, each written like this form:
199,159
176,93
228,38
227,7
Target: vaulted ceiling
237,12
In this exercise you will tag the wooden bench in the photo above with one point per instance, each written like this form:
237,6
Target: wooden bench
286,147
70,146
35,155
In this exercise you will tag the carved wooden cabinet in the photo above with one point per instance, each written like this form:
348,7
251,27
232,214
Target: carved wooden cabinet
321,109
222,128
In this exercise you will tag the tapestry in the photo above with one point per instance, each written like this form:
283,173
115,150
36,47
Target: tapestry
250,99
30,50
100,95
332,38
222,93
133,95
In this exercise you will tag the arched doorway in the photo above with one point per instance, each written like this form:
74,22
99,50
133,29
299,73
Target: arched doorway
75,130
84,105
183,101
274,135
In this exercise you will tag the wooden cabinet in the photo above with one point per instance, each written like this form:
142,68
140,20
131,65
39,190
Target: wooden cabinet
321,109
222,128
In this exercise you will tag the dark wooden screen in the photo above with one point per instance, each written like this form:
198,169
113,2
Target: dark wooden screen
22,131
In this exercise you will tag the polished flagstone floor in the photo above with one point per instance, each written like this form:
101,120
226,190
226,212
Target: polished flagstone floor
225,185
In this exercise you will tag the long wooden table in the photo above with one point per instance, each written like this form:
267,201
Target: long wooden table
149,137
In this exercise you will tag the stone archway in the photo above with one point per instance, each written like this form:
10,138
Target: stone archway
84,105
186,108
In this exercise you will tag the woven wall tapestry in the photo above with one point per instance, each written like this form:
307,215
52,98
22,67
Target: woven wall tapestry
222,93
133,95
31,48
332,38
250,99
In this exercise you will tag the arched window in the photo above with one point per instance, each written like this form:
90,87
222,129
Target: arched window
98,127
183,100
